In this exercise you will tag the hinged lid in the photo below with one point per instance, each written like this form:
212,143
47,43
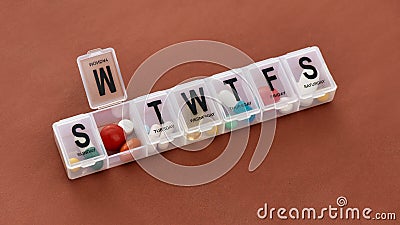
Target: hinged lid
196,107
235,94
101,78
79,142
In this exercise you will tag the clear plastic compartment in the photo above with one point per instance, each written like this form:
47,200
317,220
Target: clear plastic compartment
273,88
309,76
135,143
199,116
80,145
160,121
235,98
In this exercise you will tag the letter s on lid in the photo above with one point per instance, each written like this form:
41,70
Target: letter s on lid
101,78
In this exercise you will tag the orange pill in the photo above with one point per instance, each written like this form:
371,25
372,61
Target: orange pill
126,157
131,144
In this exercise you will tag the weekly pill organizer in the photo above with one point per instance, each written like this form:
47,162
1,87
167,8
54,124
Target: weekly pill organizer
120,131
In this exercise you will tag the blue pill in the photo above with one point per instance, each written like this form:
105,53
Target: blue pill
242,107
252,117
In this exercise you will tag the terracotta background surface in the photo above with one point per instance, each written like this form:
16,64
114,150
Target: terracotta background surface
349,147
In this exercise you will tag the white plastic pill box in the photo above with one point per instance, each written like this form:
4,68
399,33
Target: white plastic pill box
186,113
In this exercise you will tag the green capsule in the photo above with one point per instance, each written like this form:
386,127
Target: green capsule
92,152
231,125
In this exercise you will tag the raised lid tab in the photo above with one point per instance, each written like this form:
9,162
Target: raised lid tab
101,78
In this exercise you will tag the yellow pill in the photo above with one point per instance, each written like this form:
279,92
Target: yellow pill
72,161
193,136
213,131
323,98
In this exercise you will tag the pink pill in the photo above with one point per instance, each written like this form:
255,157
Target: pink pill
268,96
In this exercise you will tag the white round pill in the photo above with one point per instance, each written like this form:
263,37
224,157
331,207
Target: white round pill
306,85
287,109
155,131
227,98
306,102
163,146
168,127
126,125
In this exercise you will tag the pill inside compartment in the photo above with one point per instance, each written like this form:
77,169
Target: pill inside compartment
198,114
80,146
160,121
121,134
273,88
235,98
310,77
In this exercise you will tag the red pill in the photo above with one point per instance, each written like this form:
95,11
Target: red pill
113,137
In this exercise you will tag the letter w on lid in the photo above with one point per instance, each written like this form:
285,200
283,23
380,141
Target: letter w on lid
101,78
193,98
108,78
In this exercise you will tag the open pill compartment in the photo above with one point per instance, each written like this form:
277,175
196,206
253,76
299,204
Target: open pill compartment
198,114
235,98
80,145
272,88
160,121
135,142
309,76
105,91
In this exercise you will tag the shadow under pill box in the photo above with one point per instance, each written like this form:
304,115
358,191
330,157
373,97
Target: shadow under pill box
120,131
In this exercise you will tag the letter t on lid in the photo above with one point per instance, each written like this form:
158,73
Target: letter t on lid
101,78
